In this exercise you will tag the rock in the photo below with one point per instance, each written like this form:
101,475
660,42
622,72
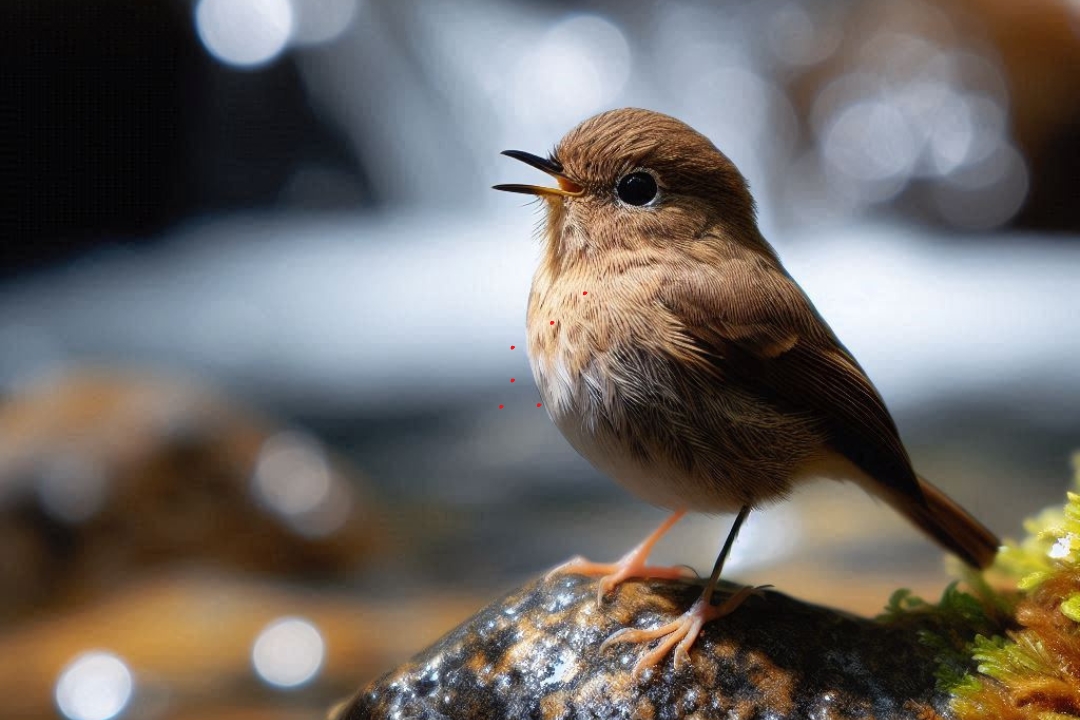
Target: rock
536,654
109,476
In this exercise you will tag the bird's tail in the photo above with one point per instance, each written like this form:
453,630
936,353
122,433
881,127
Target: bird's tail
952,526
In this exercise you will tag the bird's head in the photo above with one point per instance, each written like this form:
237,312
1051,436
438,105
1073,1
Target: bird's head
634,178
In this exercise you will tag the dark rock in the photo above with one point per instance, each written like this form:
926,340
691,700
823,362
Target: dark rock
536,654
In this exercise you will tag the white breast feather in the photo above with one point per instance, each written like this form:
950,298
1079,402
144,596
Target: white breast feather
557,384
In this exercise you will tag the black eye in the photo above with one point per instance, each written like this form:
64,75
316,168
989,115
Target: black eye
637,188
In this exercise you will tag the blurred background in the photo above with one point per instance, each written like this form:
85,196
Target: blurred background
260,312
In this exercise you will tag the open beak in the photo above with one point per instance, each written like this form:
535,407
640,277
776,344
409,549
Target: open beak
567,188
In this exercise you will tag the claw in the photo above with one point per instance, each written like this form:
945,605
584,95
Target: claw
680,633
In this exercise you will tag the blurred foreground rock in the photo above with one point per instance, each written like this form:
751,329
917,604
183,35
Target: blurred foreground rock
107,475
160,527
535,654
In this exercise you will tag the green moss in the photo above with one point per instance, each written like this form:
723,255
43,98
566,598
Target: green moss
949,627
1070,608
1011,653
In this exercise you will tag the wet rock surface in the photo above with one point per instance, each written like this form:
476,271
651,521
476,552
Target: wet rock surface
536,654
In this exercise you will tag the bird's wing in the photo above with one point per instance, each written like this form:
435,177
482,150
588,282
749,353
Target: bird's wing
752,323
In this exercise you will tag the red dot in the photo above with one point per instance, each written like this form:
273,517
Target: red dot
500,407
511,379
552,322
539,404
513,346
586,292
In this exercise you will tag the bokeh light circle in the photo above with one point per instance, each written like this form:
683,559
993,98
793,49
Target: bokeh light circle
94,686
871,143
244,33
292,475
987,194
288,652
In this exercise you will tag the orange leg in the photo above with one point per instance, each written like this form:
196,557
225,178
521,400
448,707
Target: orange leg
682,632
632,565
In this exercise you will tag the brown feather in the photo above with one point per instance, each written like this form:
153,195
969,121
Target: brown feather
696,372
952,526
777,345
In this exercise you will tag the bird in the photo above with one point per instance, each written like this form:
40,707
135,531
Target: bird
675,353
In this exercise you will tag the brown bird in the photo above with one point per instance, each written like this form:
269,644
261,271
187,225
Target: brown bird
696,372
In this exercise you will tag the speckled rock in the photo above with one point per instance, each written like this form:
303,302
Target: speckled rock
536,654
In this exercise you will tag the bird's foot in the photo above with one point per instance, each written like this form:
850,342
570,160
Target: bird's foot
680,633
632,565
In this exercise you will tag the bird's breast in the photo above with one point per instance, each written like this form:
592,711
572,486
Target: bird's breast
608,389
578,344
607,361
570,369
